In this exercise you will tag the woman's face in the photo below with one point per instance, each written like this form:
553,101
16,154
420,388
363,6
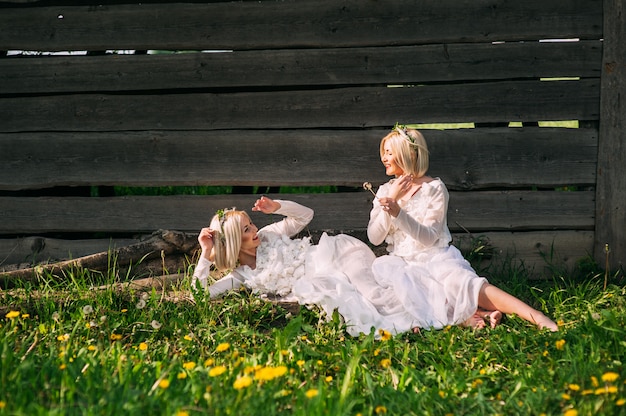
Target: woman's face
249,236
389,161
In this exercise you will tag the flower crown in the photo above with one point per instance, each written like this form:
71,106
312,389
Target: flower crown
221,216
403,132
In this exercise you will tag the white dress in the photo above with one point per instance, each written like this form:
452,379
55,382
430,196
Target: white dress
429,277
329,274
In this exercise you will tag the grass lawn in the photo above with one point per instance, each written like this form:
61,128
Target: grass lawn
69,349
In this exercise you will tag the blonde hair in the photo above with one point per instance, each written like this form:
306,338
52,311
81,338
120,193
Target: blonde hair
409,149
227,241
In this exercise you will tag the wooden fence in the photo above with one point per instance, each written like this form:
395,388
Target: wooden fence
300,93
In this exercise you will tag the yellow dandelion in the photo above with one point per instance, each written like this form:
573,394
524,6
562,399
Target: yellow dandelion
270,373
376,352
329,379
594,381
209,362
442,394
189,365
610,377
2,404
571,412
164,383
300,363
574,387
223,347
587,392
384,335
284,352
311,393
380,410
63,337
620,402
116,337
182,375
385,363
143,346
12,314
601,390
182,413
25,315
320,362
91,348
242,382
482,372
217,371
560,344
476,383
124,310
62,367
188,337
566,396
545,353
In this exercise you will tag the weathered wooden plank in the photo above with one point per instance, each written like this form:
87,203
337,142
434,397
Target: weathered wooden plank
475,211
291,24
464,159
538,251
273,68
611,189
342,107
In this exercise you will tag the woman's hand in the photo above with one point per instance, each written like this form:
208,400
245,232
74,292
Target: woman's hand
205,238
266,205
400,186
390,206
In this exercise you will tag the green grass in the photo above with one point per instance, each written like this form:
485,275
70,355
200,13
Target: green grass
68,349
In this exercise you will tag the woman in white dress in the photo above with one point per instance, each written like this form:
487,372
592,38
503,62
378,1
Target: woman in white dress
335,274
429,276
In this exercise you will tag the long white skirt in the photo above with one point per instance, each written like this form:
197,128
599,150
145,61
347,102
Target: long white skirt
343,274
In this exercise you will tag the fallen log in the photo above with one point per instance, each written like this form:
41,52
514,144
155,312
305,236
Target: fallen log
158,247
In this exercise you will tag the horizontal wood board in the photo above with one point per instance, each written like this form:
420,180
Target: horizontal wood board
475,211
537,251
300,67
468,159
356,107
294,24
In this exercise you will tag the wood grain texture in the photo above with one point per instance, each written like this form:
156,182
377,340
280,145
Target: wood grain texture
475,211
293,24
467,159
611,188
299,67
357,107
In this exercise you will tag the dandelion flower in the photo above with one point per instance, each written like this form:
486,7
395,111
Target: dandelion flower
189,365
385,363
385,335
329,379
12,314
217,371
311,393
25,315
566,396
182,413
223,347
2,404
55,316
141,304
380,410
242,382
116,337
209,362
270,373
62,367
560,344
594,381
164,383
620,402
155,324
87,310
188,338
300,363
610,377
143,346
571,412
91,348
63,337
182,375
574,387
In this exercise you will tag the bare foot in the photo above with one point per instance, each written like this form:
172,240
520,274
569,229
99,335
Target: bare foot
416,330
493,317
476,321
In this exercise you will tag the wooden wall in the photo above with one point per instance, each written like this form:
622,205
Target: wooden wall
300,94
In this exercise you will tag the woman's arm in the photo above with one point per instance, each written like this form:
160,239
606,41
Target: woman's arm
380,222
217,289
429,228
296,218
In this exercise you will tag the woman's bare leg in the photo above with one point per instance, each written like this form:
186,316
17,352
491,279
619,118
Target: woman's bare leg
492,298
